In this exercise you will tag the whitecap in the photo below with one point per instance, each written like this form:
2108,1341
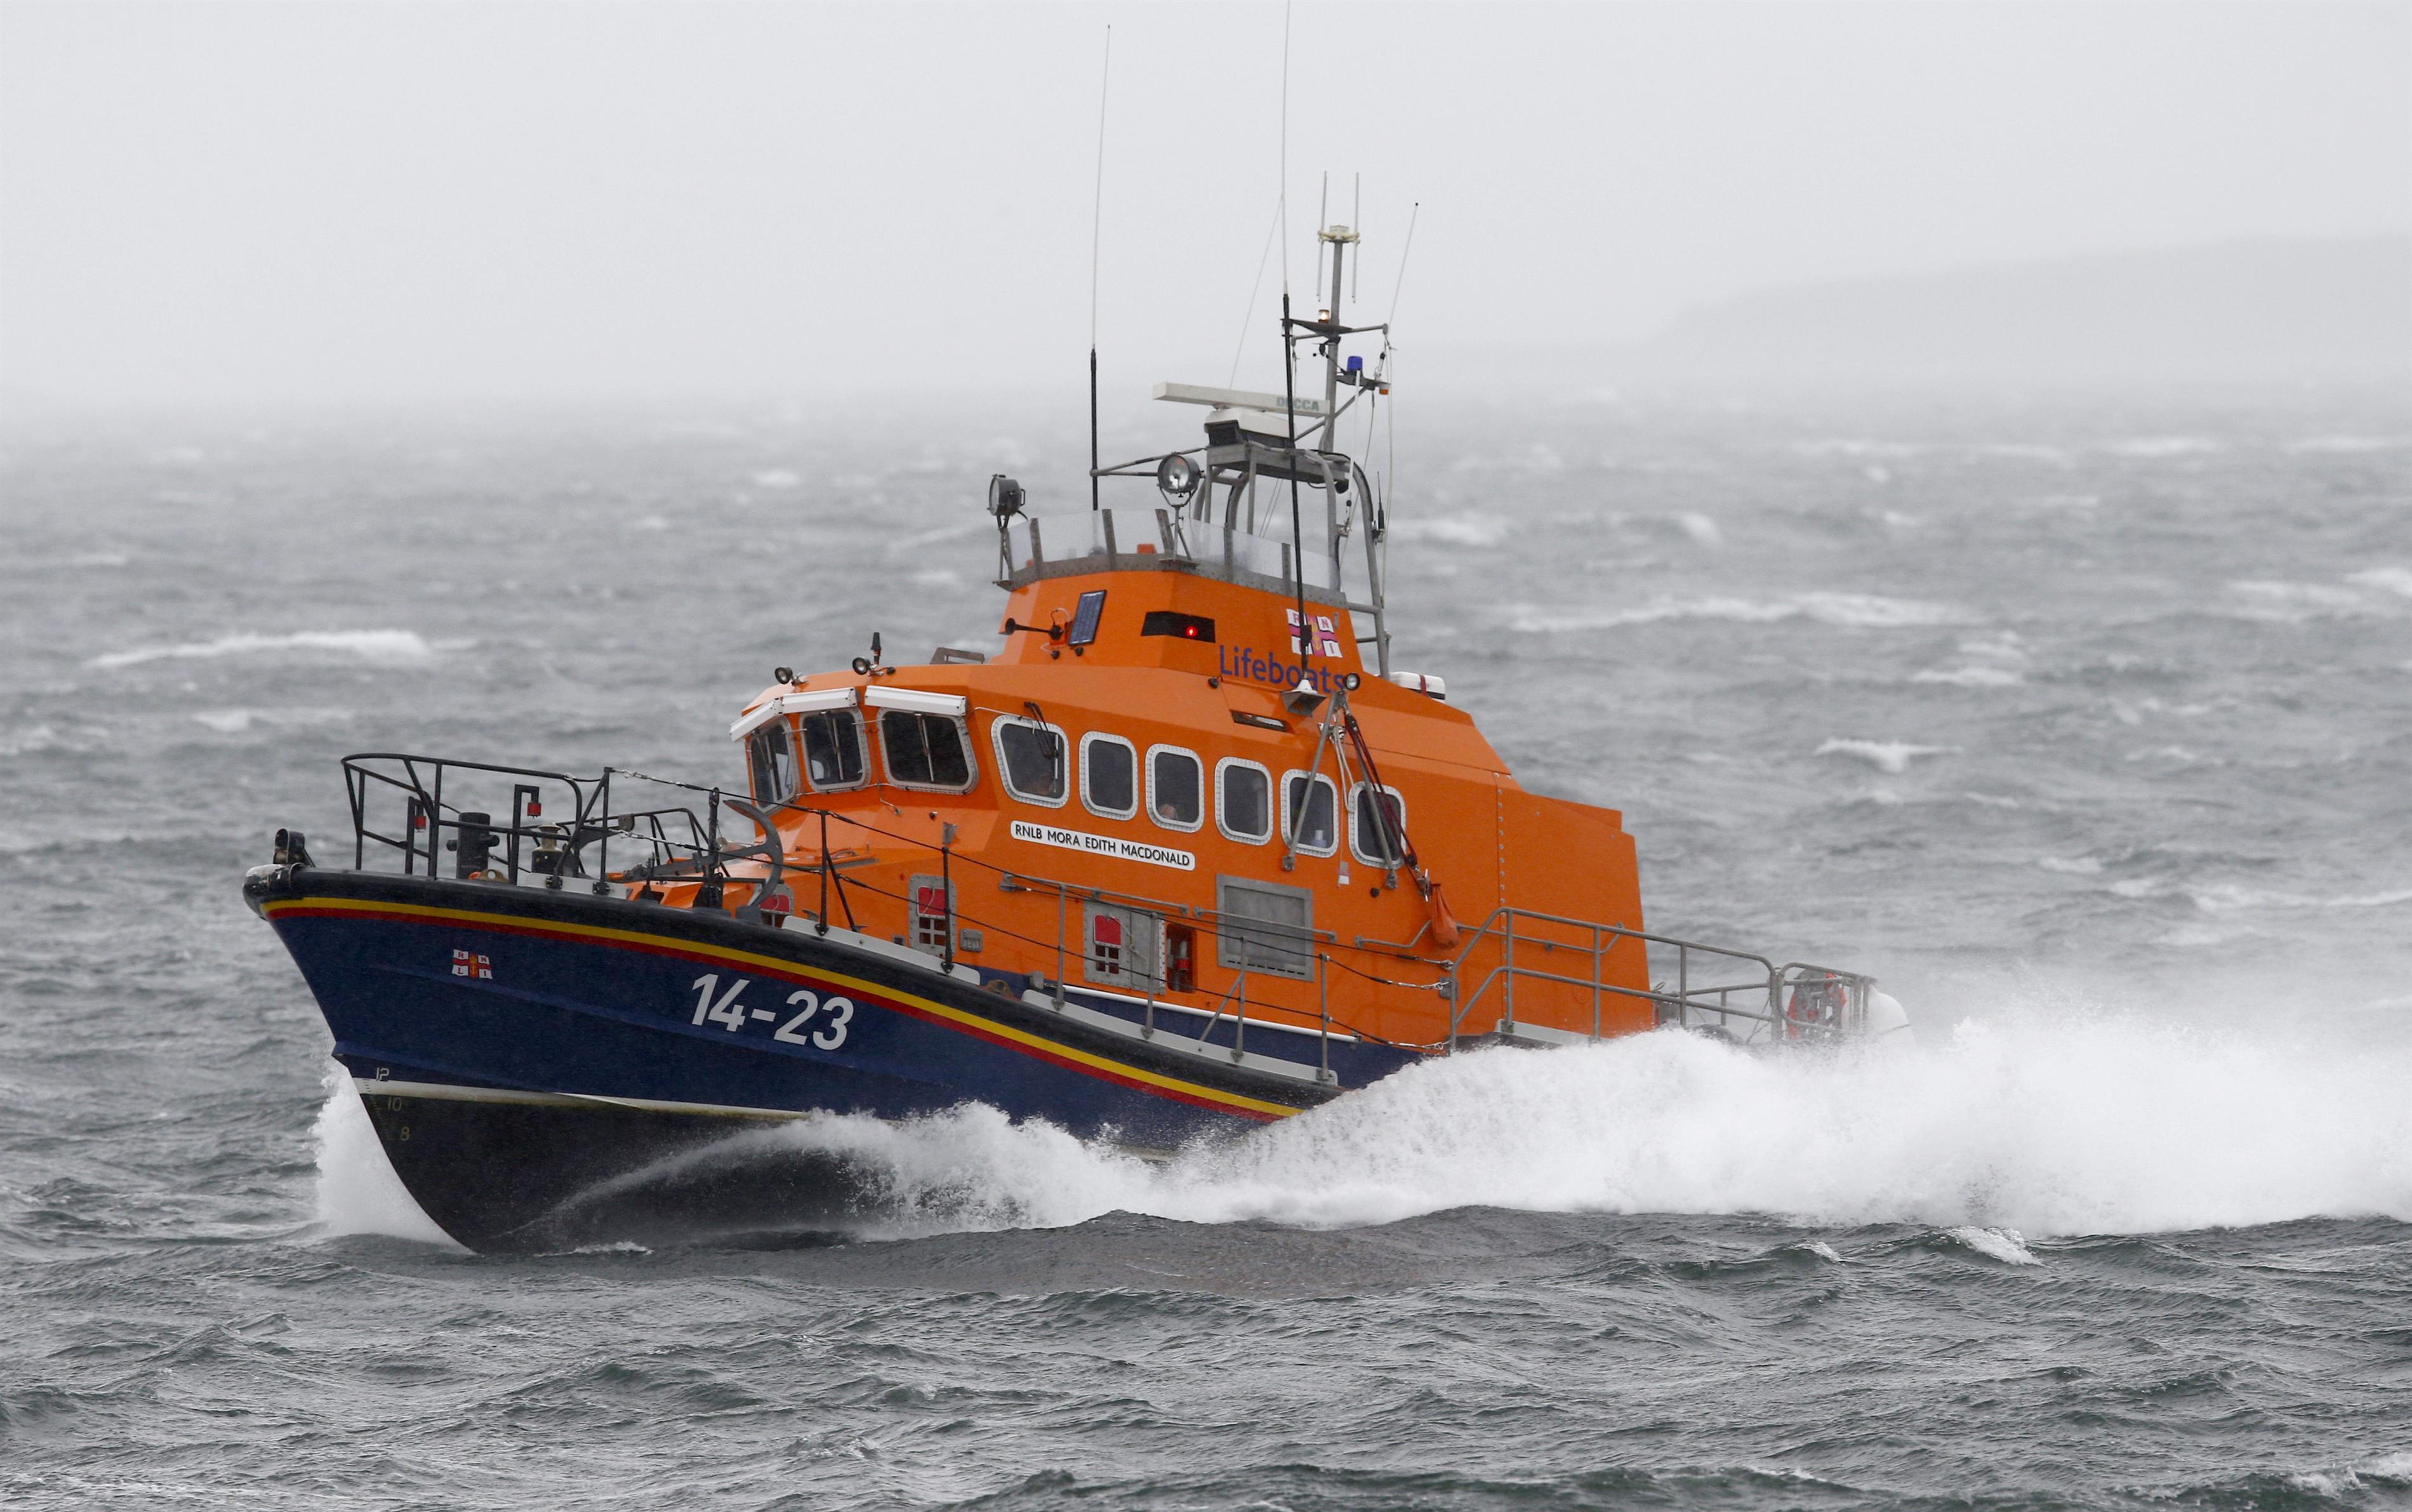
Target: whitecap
1893,756
2294,603
2349,443
386,646
1701,528
1877,612
1858,612
1971,676
2007,1245
774,477
2394,580
235,721
1746,611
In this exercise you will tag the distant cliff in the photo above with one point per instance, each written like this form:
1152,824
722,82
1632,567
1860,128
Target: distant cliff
2246,311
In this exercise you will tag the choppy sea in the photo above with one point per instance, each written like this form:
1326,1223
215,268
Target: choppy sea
2087,727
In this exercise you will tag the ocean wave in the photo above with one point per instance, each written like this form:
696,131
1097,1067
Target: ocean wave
1451,530
2298,603
2044,1124
2232,898
1857,611
2349,444
236,721
2156,447
2007,1245
386,646
1893,756
1971,676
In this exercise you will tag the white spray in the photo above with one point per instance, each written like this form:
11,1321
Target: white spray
2050,1123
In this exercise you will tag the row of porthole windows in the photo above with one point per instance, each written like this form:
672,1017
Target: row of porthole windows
1031,758
932,752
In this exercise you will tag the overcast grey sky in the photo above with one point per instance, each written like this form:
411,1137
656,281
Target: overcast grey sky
344,203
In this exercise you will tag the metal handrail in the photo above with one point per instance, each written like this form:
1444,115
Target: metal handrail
1836,1000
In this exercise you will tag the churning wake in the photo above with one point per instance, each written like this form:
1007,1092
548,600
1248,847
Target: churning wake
2046,1124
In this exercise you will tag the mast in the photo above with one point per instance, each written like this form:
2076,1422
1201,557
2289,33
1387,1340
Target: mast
1297,525
1339,237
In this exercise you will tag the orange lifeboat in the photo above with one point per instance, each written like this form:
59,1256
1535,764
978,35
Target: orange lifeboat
1188,853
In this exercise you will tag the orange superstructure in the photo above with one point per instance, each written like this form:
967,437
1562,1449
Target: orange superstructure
1151,820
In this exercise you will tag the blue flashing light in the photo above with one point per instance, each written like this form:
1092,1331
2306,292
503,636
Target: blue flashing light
1356,364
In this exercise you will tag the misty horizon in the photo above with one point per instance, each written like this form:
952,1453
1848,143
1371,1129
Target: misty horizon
234,205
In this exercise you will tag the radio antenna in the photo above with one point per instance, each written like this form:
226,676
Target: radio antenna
1096,233
1289,376
1356,219
1401,281
1256,286
1285,169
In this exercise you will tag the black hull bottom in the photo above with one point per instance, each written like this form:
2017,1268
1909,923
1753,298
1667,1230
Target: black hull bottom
529,1177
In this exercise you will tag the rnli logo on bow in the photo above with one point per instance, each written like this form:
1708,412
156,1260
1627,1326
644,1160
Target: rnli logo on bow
1129,850
478,968
1326,639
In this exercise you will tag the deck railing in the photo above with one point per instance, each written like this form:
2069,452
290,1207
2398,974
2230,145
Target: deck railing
1792,1000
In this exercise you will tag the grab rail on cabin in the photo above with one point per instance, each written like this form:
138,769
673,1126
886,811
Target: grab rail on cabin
1792,1000
1144,539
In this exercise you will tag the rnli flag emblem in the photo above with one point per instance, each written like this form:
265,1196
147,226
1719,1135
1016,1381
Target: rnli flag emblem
1326,635
477,967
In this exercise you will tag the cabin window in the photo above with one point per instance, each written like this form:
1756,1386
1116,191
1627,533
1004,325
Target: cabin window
925,750
772,763
1122,947
1243,801
1031,756
1265,927
1310,813
833,749
1176,787
1108,776
1378,825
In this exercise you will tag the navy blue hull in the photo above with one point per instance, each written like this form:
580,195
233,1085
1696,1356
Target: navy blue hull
522,1050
